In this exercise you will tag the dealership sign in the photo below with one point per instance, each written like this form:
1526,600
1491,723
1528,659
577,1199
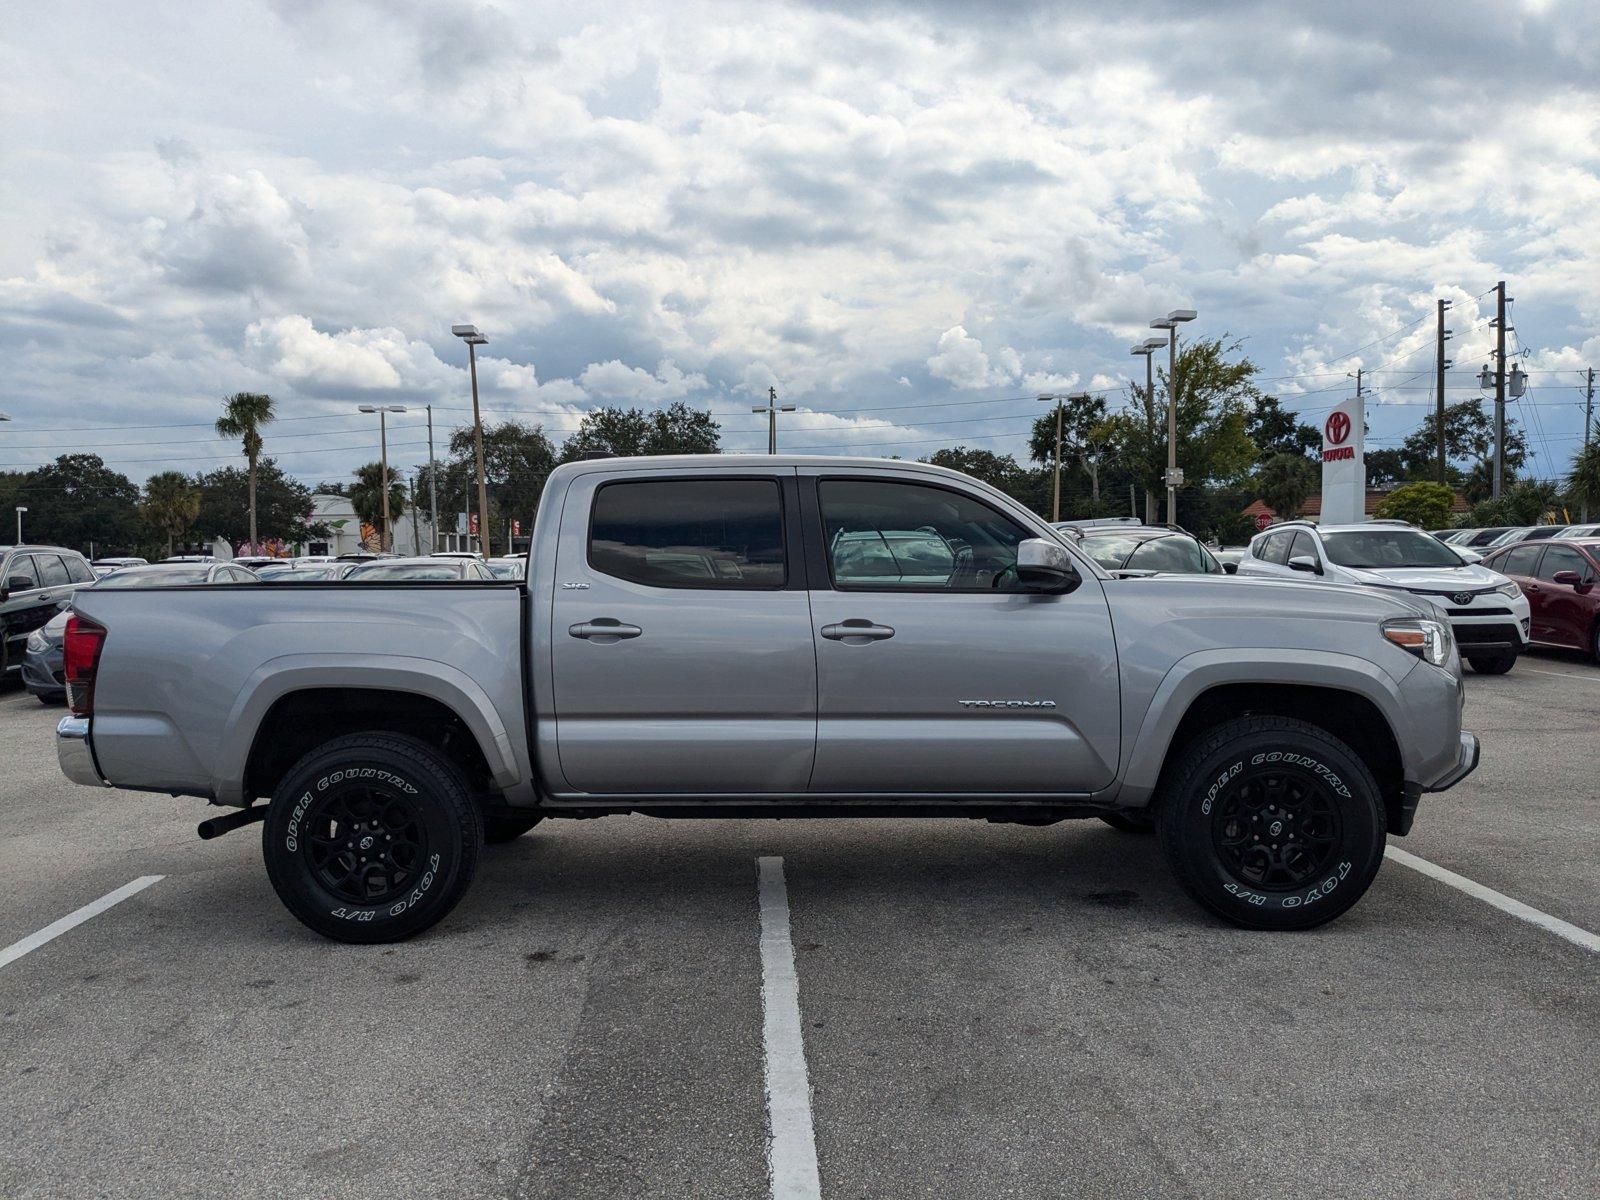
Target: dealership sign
1344,466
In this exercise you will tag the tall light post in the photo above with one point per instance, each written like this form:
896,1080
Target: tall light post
772,409
383,410
1170,323
474,339
1145,349
21,508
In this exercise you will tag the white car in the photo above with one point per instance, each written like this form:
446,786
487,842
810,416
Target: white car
1488,613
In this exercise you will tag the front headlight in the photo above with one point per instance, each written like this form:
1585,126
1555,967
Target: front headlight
1429,640
1509,588
36,642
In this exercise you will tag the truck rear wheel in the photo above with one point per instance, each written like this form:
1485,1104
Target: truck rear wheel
1272,823
372,837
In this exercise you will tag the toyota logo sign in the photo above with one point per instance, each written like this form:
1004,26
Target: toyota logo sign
1337,429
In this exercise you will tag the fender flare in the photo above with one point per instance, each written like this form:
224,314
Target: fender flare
1193,675
290,673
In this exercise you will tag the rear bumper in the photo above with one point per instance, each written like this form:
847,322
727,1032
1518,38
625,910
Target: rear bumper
75,753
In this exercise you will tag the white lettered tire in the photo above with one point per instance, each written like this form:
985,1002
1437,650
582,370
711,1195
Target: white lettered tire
372,837
1272,823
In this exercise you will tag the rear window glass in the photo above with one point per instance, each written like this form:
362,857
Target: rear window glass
690,533
133,577
405,573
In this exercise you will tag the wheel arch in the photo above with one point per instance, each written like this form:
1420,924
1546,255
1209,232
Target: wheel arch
1352,699
292,705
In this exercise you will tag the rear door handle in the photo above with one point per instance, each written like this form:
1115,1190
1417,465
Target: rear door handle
856,632
604,630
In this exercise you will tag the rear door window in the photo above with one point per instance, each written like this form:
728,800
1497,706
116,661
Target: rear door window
52,571
1275,547
1519,560
714,534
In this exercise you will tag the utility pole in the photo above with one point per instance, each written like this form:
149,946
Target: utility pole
1499,386
386,538
1441,364
772,410
1055,501
1588,424
433,486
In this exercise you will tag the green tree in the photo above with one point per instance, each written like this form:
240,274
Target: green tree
1215,398
1275,430
517,459
1468,446
1387,468
366,497
243,415
1583,484
78,500
171,504
997,470
630,432
1284,482
283,505
1425,504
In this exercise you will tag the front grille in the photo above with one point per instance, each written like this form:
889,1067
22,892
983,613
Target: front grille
1477,635
1479,612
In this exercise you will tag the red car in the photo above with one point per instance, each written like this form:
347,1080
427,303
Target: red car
1561,579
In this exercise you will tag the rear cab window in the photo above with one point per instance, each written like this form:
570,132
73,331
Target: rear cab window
712,534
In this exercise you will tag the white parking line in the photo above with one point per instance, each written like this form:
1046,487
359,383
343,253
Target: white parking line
1564,675
1525,912
72,920
792,1146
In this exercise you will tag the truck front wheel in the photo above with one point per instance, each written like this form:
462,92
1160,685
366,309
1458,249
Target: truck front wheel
1272,823
372,837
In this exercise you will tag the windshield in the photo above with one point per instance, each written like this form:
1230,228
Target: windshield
1381,549
130,577
410,572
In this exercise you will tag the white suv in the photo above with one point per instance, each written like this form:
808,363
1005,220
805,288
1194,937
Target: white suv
1488,613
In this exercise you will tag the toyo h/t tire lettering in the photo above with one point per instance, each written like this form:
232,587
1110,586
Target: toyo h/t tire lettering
372,837
1272,823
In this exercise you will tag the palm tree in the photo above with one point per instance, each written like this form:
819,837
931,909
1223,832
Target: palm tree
243,415
171,503
367,499
1583,485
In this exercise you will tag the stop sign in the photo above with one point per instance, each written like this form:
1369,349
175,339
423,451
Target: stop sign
1263,519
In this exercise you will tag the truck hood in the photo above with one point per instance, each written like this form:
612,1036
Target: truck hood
1440,580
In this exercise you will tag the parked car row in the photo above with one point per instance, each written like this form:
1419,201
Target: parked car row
1505,535
39,583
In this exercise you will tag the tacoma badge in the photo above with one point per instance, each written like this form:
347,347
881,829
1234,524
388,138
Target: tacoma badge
1006,703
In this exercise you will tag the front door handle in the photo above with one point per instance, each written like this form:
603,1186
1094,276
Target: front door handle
604,630
856,632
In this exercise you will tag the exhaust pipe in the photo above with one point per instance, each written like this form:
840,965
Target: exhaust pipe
217,826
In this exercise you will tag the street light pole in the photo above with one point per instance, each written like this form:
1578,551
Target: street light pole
1170,323
20,510
772,410
474,339
1499,386
1145,350
386,540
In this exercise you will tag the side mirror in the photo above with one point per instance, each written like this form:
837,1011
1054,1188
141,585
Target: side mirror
1043,565
1230,568
1566,578
19,583
1306,563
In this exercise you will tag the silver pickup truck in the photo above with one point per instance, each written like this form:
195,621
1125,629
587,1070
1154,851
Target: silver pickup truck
764,637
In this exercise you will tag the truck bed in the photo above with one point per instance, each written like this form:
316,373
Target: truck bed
190,673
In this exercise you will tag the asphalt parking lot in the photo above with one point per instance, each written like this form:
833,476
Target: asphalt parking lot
986,1010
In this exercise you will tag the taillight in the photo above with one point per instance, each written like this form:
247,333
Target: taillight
81,656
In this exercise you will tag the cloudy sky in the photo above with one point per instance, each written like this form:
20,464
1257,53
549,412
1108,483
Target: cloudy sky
908,218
